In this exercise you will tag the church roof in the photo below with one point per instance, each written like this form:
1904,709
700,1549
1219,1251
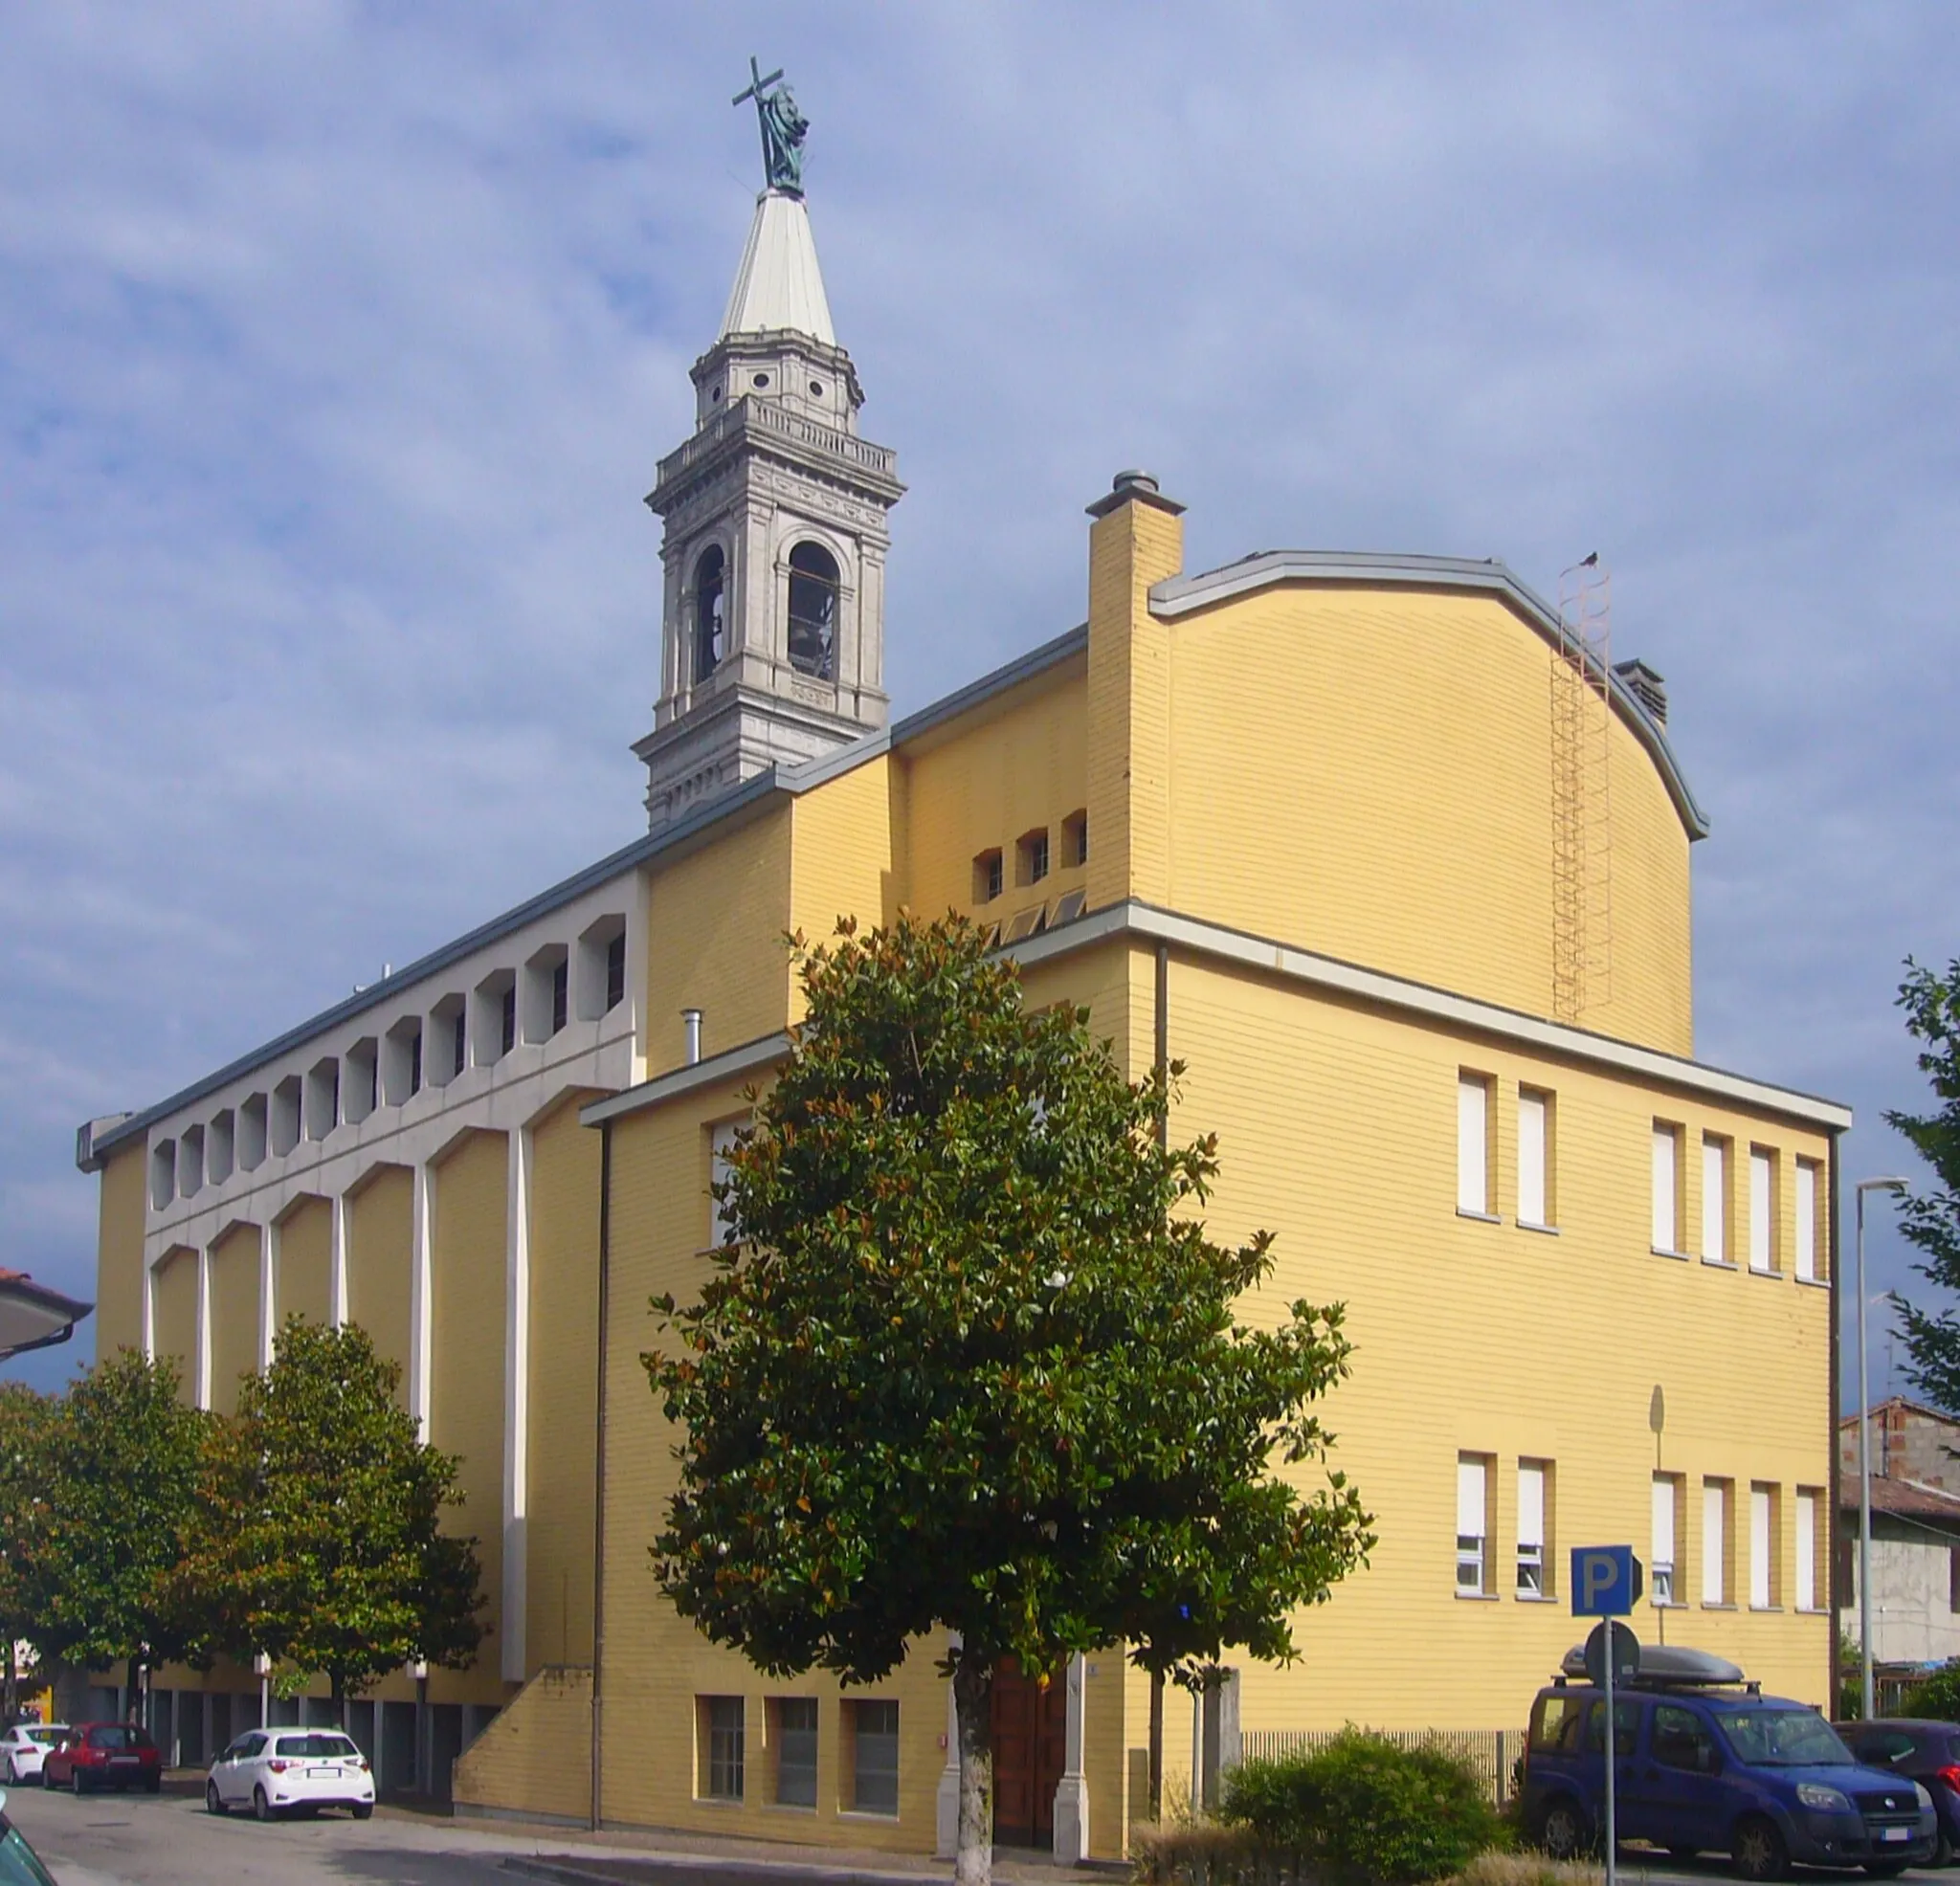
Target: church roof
779,283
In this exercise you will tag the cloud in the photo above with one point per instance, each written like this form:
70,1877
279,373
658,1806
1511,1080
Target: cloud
338,344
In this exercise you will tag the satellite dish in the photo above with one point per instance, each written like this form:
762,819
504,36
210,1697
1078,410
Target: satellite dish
1656,1411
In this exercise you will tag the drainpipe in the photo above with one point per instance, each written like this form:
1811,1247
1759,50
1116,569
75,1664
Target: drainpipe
599,1466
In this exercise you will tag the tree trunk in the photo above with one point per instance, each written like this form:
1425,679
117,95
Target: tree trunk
7,1705
134,1710
973,1707
1157,1745
338,1684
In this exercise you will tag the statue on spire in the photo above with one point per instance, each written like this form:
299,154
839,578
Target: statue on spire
783,129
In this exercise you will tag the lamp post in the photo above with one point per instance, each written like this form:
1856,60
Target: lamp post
1864,1466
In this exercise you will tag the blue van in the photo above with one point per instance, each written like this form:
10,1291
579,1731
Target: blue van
1704,1763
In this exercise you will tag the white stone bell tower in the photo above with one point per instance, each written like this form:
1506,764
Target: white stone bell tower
772,630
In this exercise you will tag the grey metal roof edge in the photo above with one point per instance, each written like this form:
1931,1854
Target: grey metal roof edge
1180,595
567,891
1023,668
727,1065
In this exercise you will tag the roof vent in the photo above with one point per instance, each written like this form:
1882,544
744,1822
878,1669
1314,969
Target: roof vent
1646,687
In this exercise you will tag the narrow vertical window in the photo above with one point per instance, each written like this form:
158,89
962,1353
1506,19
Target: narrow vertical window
1473,1145
1806,1549
796,1752
1534,1157
710,591
1714,1542
1764,1583
507,1020
459,1041
415,1062
1761,1210
720,1144
1808,1267
615,971
1666,1186
875,1758
1534,1486
1714,1199
1663,1546
561,992
722,1735
813,612
1473,1497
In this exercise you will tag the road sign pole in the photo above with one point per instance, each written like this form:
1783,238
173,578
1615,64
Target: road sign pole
1612,1762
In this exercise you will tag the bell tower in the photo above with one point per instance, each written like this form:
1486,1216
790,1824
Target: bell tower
772,624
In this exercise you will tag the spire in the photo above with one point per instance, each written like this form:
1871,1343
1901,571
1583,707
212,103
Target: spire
779,285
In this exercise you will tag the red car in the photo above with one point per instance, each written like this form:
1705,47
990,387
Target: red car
116,1755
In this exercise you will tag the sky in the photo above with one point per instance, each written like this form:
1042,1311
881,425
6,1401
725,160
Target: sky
338,344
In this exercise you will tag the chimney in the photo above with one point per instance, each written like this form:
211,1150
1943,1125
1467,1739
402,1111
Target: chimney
1646,687
690,1020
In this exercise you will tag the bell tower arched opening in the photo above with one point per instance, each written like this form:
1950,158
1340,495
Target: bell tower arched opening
813,584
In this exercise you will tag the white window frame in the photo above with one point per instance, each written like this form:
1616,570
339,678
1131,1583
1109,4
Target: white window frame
1534,1157
1665,1538
1473,1145
1535,1489
1715,1180
1473,1526
1667,1188
1762,1211
1806,1227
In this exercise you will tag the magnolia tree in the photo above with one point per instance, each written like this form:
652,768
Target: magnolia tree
320,1540
969,1361
1930,1215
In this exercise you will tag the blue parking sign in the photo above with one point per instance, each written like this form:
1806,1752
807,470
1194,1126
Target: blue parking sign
1607,1581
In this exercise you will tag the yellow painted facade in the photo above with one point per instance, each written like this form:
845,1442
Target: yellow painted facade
1317,819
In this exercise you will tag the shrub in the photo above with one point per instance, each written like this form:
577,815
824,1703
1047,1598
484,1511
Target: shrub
1938,1696
1366,1809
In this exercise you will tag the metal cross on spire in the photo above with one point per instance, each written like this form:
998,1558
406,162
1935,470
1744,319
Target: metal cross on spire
783,129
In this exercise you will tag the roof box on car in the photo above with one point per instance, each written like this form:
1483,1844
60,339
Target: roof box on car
1666,1663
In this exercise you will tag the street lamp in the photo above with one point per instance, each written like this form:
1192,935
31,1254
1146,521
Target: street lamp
1864,1466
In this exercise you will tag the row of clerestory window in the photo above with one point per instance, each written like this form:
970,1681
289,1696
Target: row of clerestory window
462,1030
815,584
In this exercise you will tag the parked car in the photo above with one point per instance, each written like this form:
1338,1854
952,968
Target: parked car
95,1755
1705,1763
19,1864
25,1746
281,1771
1928,1751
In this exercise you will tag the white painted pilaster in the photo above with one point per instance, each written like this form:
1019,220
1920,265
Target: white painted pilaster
201,1365
1072,1791
516,1375
268,1291
638,916
150,1311
421,1228
947,1824
337,1260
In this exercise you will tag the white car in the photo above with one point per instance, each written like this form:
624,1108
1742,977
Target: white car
25,1746
290,1771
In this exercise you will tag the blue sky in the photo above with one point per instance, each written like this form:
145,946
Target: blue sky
338,344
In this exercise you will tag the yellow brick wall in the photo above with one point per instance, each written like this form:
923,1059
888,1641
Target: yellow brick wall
467,1269
842,850
174,1327
1338,1132
380,1258
233,1314
716,919
305,1262
119,1251
536,1757
563,1390
1015,766
1368,773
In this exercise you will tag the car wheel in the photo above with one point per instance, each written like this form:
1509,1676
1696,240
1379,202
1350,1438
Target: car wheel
153,1784
261,1808
363,1811
1561,1829
1759,1850
77,1783
1943,1849
12,1773
213,1800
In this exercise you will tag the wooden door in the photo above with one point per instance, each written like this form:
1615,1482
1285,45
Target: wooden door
1030,1746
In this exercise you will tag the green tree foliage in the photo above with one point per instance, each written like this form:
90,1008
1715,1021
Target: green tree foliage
24,1417
1937,1696
1366,1809
122,1453
974,1366
1929,1217
319,1541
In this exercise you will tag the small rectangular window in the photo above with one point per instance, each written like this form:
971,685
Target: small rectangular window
415,1062
1715,1202
1534,1529
1473,1525
1473,1145
874,1758
1074,838
1807,1509
1031,856
459,1041
1810,1265
1667,1216
1761,1210
1716,1549
987,883
1765,1585
507,1019
720,1144
1535,1154
722,1727
561,993
1665,1538
615,973
796,1751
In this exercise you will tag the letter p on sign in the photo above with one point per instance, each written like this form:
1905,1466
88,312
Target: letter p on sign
1606,1581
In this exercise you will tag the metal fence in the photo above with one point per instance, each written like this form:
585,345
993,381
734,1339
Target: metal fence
1492,1753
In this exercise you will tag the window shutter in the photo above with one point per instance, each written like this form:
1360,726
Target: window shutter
1531,1506
1661,1542
1470,1497
1806,1221
1714,1542
1473,1144
1762,1210
1666,1211
1531,1148
1762,1541
1714,1201
1806,1551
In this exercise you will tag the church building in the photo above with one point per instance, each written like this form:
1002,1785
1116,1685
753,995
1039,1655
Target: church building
1386,849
